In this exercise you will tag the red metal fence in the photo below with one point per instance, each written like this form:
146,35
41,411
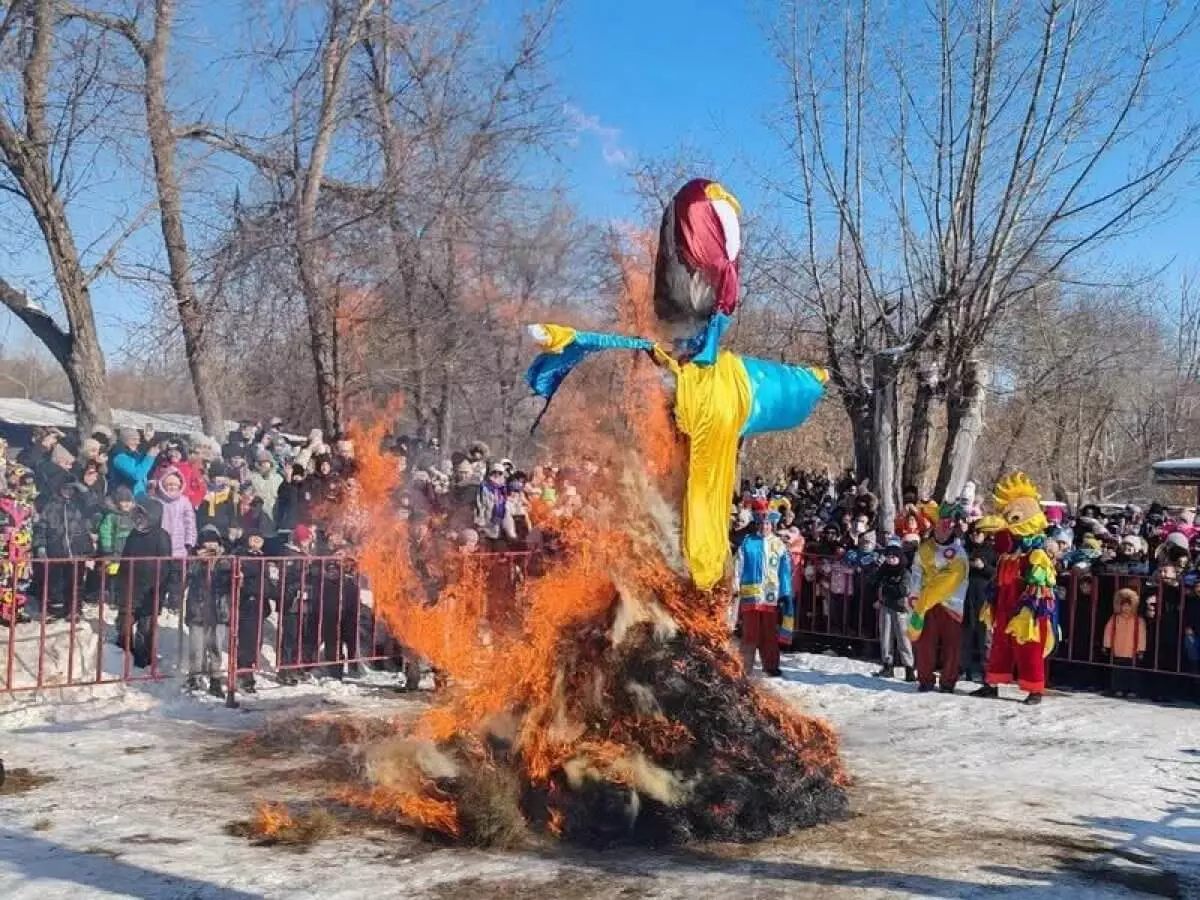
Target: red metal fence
94,622
91,622
835,608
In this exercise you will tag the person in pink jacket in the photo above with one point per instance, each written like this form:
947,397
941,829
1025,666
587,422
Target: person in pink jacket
179,522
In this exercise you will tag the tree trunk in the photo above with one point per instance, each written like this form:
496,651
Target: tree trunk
26,154
170,204
964,425
319,299
861,412
444,410
916,453
883,481
85,361
322,333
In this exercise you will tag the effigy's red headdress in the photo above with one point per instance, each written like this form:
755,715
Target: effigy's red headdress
700,242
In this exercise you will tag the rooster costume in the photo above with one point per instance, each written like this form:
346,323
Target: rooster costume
1023,613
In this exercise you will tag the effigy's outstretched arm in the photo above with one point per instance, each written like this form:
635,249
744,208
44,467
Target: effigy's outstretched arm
716,405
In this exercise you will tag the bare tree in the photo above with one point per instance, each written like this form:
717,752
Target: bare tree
965,159
36,153
318,113
452,129
152,53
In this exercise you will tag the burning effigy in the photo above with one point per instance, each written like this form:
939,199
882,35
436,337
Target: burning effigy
609,706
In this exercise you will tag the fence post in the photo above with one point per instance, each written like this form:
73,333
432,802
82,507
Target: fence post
182,604
231,642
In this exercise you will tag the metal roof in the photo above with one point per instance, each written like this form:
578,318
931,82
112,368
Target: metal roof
1177,471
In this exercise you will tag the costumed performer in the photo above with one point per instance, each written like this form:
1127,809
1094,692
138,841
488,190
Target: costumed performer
762,584
1023,614
937,589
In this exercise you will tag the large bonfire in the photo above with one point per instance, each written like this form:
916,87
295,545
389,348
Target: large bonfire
599,700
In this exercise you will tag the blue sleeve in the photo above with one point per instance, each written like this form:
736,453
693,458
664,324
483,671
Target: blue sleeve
124,464
136,470
781,396
785,575
146,464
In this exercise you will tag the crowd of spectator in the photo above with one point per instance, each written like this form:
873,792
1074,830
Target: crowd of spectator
142,520
139,522
246,530
1128,591
479,502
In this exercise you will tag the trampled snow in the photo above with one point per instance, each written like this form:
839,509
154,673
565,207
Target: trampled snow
954,797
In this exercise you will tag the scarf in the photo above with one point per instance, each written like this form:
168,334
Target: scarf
500,499
215,497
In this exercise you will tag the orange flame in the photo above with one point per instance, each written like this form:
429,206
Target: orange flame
270,820
497,640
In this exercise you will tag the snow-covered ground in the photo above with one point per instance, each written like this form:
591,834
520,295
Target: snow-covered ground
1082,797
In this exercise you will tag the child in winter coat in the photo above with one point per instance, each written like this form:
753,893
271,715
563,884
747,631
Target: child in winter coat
1125,641
257,591
890,580
179,522
116,524
141,580
209,596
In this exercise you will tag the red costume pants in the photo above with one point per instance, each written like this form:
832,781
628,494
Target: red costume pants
941,636
1027,659
760,631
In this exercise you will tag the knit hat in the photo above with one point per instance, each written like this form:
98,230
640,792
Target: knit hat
1175,539
89,447
123,494
128,434
302,533
210,533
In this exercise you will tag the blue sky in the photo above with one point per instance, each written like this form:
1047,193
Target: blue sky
653,76
649,77
641,79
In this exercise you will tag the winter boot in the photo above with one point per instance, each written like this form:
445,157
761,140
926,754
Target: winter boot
887,671
924,688
216,688
988,690
246,684
910,674
287,678
1032,700
193,683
